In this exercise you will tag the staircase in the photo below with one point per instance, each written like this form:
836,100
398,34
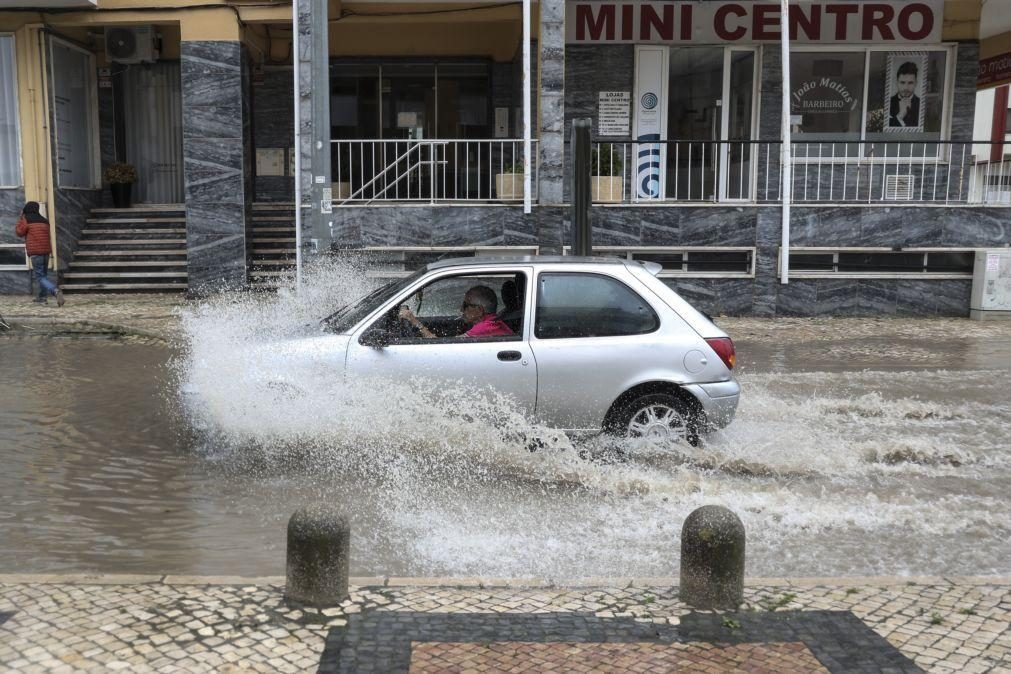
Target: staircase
139,249
272,245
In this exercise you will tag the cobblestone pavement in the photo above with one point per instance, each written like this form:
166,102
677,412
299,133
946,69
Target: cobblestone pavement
166,624
157,315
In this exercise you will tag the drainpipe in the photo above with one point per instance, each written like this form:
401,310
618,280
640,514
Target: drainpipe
784,246
527,163
298,145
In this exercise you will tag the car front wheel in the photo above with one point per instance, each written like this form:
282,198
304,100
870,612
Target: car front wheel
659,417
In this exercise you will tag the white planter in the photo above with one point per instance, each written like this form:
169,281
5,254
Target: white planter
606,189
509,186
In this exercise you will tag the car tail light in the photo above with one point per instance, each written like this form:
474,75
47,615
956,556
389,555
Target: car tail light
724,348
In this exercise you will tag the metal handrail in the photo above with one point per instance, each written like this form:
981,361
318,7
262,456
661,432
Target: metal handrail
392,165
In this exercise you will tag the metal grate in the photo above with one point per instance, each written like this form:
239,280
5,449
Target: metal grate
899,187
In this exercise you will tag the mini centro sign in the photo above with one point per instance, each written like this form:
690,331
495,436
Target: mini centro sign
748,22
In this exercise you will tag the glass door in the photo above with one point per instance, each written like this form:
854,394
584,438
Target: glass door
710,123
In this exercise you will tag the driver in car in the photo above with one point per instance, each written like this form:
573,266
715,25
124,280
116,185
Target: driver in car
478,310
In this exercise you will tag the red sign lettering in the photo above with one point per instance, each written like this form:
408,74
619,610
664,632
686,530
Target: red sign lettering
840,12
810,24
627,22
878,16
720,22
926,21
765,17
649,20
686,22
585,23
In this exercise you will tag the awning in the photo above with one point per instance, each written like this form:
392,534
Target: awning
994,61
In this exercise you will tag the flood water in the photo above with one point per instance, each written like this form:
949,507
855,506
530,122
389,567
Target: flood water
855,457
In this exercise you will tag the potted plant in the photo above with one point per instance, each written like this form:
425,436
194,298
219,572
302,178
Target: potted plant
606,181
121,178
509,185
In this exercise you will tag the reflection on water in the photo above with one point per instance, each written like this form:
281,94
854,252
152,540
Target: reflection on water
847,458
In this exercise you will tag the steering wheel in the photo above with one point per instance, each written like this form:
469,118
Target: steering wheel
405,328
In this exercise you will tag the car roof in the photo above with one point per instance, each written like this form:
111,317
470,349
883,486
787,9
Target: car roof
486,260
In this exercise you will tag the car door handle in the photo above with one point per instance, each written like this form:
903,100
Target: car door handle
509,355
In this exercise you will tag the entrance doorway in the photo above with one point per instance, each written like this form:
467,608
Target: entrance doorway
152,107
711,117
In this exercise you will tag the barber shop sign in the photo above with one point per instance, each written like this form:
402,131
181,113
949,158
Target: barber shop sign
827,21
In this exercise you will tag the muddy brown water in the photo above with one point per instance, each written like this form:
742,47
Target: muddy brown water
853,457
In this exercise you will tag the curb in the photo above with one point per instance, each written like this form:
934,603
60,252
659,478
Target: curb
476,582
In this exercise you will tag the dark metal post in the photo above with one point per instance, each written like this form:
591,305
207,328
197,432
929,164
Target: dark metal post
581,234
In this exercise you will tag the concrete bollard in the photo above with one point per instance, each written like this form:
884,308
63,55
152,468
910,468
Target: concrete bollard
319,545
712,559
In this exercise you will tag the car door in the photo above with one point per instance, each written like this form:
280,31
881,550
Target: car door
593,337
503,364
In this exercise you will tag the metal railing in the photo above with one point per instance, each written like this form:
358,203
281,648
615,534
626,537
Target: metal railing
826,171
435,171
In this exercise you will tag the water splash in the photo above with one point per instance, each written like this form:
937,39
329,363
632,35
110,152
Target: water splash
831,472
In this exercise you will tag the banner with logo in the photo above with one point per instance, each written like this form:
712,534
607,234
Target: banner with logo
651,63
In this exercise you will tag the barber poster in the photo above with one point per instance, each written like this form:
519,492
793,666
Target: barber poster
904,91
651,64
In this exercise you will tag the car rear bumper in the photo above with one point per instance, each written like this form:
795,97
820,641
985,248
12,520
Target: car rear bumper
719,401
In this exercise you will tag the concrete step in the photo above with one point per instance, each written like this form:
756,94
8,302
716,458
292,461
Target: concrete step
144,208
258,273
276,230
274,251
124,253
273,206
129,242
180,231
119,264
257,240
121,287
132,221
273,263
142,274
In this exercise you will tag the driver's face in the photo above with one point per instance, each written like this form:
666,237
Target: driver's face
907,85
470,310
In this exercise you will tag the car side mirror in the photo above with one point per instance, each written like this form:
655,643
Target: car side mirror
376,338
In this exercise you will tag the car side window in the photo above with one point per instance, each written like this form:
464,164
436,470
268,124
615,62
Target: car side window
589,305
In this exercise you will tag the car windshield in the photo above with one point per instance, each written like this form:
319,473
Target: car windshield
349,315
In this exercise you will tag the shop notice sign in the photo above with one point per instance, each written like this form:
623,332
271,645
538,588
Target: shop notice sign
614,116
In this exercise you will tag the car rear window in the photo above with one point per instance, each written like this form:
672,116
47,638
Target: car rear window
589,305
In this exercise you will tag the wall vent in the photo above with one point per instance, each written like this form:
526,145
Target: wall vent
899,187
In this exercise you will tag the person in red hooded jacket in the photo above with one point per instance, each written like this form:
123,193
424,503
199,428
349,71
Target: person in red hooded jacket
34,229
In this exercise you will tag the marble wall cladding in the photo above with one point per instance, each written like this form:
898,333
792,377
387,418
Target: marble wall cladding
15,283
435,226
590,69
551,70
963,114
11,203
273,113
216,161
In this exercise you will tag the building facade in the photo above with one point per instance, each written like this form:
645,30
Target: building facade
894,183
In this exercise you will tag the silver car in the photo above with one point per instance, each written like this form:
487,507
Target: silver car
580,344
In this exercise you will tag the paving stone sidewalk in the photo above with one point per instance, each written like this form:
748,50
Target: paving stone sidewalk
175,624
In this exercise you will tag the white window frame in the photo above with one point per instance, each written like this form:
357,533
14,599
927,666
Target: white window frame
96,167
17,116
27,265
950,49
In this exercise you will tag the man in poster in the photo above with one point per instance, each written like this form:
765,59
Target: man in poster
904,106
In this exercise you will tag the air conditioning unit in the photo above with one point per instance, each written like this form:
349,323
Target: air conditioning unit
131,44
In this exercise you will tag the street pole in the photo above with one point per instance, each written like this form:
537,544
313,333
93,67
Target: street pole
527,163
296,70
582,244
784,246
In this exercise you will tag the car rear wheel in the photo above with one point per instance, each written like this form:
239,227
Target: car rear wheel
659,417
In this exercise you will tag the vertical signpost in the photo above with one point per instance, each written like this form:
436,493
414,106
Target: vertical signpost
784,246
527,162
581,235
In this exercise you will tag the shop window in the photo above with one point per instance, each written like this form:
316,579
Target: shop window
75,115
10,151
901,117
826,101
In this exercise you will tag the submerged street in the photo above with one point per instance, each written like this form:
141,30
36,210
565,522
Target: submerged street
861,447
